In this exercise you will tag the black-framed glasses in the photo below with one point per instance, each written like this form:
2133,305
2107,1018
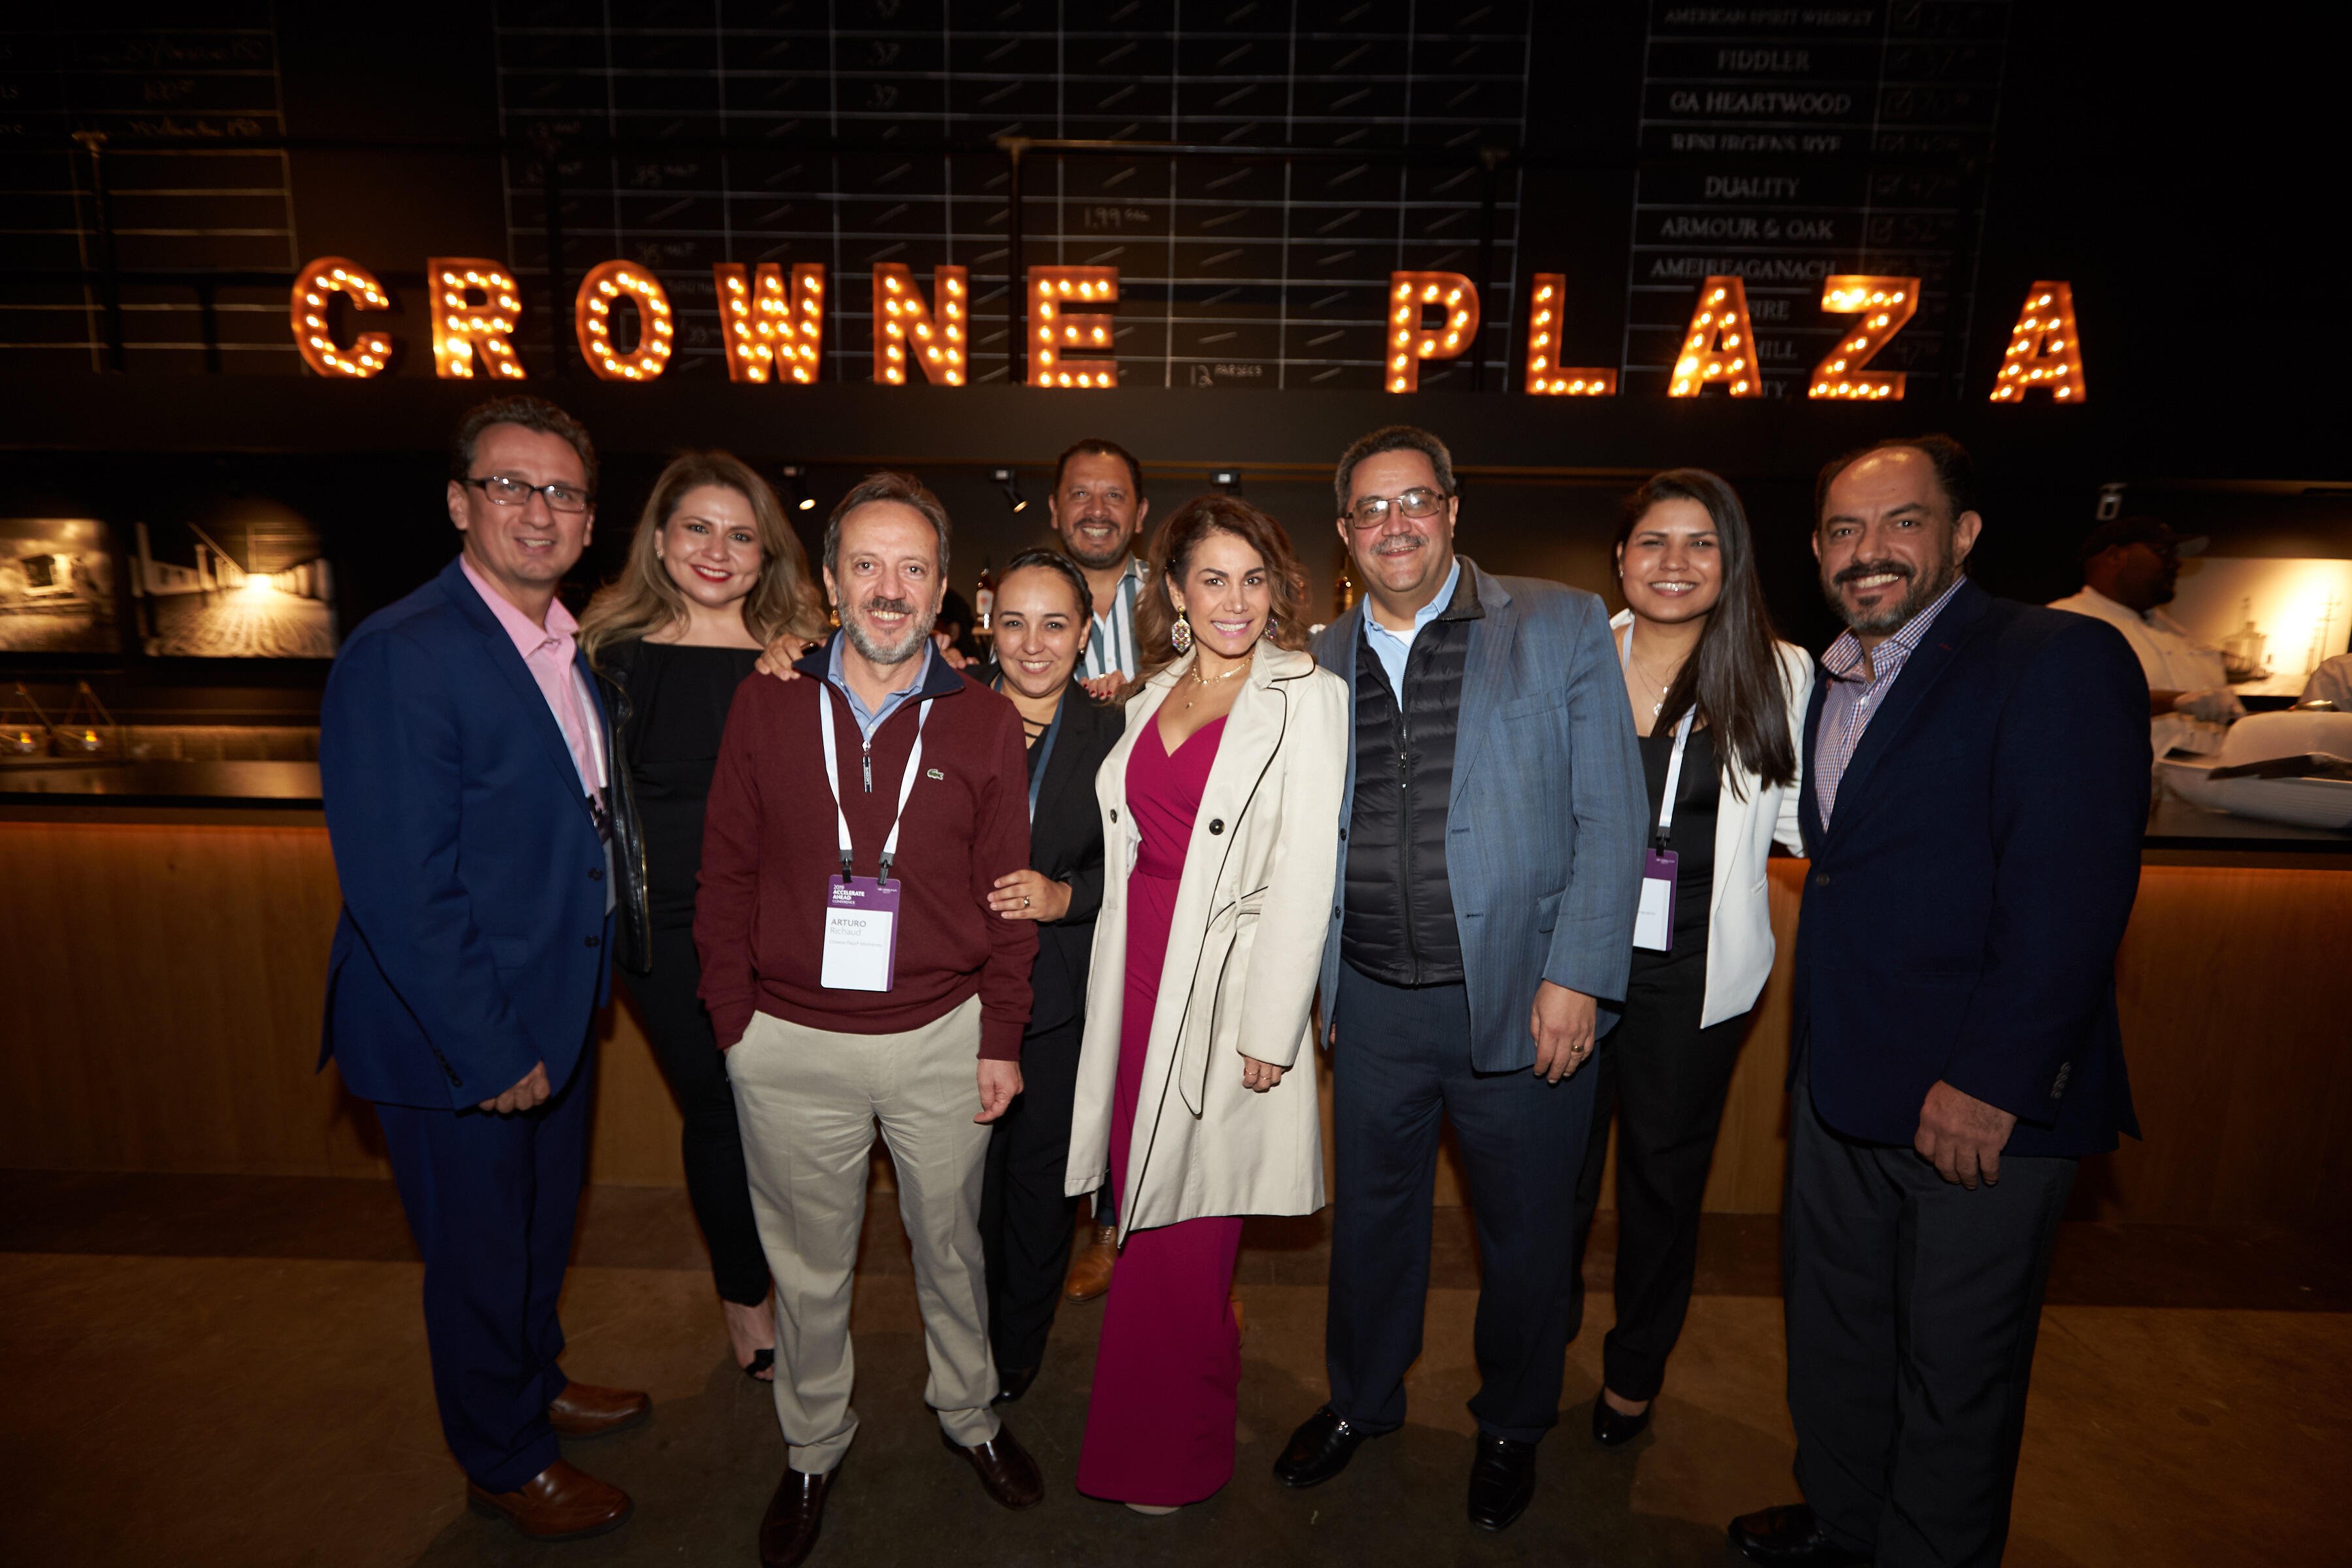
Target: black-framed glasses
1417,502
504,490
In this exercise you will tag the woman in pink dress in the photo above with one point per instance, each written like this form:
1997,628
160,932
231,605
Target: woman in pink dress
1196,1088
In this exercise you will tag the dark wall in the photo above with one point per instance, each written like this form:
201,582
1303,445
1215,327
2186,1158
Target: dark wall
2162,171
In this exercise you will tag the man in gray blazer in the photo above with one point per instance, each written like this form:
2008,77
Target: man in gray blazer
1490,863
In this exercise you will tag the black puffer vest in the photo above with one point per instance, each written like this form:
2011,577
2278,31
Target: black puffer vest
1400,907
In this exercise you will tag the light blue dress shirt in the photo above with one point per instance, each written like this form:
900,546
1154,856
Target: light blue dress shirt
868,722
1391,649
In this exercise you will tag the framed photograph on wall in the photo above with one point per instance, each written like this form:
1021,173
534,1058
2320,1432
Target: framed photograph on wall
2275,619
247,579
58,581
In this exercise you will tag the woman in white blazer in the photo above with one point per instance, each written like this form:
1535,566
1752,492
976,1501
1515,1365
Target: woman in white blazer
1719,704
1196,1082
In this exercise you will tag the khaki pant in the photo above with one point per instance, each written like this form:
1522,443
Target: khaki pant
808,1101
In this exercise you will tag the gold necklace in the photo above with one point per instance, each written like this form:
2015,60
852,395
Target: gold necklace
1200,681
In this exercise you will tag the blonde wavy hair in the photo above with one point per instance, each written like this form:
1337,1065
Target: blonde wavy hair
643,598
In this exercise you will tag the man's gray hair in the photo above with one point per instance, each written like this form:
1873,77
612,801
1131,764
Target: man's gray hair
1393,439
888,485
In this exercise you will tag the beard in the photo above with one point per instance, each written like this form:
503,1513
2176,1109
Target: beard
1921,590
1074,543
918,633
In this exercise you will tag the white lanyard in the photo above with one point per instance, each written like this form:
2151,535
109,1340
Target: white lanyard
1682,739
906,782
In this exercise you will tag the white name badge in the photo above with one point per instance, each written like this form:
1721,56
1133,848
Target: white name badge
1654,918
861,935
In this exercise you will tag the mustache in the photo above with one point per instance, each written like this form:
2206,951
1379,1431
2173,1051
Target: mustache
891,606
1861,569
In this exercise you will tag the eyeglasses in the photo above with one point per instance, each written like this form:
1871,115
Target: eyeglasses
1374,510
506,491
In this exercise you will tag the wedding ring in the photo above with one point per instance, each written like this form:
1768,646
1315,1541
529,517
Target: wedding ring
1024,900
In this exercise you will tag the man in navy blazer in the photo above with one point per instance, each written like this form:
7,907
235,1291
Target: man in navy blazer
466,762
1976,789
1490,847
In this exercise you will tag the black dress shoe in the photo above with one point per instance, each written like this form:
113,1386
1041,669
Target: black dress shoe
1012,1386
1007,1473
1612,1429
1319,1449
1502,1481
788,1534
1790,1537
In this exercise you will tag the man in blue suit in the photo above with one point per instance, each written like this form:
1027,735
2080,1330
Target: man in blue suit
1490,863
1975,794
467,763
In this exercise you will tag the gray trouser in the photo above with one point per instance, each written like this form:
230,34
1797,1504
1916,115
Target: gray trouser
808,1101
1912,1309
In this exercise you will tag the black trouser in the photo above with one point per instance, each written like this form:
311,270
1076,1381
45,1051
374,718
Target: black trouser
1912,1309
1665,1079
1400,1068
712,1144
1024,1218
491,1201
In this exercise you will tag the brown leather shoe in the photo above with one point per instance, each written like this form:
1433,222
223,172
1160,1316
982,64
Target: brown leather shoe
1006,1471
585,1410
562,1502
1089,1274
788,1531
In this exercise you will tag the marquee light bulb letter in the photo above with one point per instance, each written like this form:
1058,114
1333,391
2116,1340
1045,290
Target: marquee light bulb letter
763,329
607,284
1547,377
1884,304
933,335
1410,340
313,292
1720,344
476,303
2045,349
1055,331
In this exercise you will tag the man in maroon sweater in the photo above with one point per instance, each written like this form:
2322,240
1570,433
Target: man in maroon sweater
854,973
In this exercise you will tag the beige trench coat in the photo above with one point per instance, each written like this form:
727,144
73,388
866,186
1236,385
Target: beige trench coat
1245,950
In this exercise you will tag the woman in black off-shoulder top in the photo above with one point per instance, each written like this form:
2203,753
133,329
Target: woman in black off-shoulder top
714,575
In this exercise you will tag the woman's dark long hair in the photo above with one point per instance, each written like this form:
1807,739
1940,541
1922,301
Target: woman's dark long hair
1171,557
1734,676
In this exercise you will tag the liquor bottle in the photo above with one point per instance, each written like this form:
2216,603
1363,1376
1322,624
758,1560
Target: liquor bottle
984,597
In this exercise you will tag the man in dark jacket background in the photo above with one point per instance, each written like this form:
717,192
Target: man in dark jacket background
1974,793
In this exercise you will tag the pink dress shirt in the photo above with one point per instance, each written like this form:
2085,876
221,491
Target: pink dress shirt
548,652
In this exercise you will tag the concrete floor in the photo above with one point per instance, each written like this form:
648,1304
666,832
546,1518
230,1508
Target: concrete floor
223,1370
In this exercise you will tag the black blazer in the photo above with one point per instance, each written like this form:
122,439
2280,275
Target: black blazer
1963,907
1066,842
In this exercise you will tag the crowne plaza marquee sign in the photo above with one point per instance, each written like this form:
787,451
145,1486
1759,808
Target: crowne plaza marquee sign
773,328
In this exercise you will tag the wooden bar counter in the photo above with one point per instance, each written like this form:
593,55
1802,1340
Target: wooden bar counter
166,942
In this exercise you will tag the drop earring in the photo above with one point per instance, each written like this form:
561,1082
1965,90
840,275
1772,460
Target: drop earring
1271,621
1181,634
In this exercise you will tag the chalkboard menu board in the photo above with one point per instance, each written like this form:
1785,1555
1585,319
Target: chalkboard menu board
206,70
1782,144
1233,271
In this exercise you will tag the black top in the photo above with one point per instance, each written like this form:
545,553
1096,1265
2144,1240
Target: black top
678,699
1692,835
1066,844
1400,927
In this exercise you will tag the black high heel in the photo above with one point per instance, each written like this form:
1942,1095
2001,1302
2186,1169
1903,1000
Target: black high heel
1614,1428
